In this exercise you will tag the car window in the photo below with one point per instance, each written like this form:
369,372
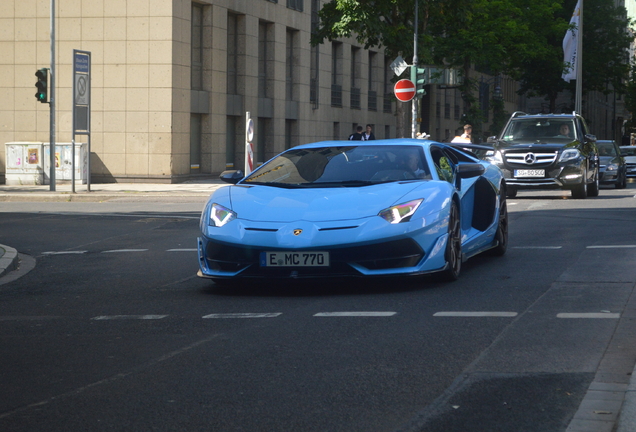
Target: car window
444,164
606,148
343,166
540,130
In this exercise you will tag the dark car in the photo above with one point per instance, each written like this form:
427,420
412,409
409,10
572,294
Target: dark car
547,151
612,169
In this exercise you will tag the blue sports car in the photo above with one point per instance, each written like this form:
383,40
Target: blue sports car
374,208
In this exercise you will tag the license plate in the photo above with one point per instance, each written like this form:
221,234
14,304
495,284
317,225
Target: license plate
529,173
295,259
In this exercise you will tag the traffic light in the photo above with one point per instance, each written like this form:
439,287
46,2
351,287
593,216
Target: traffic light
42,84
418,76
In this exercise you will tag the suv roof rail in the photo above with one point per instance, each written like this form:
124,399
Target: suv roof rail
518,113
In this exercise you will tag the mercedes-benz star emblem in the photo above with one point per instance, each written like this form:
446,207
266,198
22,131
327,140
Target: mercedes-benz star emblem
297,232
530,158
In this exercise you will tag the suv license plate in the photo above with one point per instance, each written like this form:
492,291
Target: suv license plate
529,173
295,259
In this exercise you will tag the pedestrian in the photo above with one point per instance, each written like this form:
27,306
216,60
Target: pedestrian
368,135
468,133
357,135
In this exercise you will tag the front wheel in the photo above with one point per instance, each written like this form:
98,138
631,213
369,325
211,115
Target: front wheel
453,253
501,237
580,191
593,188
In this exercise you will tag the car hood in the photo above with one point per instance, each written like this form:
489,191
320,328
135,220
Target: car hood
606,160
532,146
273,204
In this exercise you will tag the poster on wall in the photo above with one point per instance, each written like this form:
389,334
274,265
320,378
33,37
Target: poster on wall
34,156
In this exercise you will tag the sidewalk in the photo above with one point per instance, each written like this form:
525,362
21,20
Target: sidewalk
105,191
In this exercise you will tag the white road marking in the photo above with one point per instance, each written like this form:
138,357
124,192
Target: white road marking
537,247
125,317
612,247
354,314
243,315
589,315
63,252
182,250
124,250
475,314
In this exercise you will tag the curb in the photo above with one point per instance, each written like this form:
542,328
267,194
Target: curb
627,416
8,259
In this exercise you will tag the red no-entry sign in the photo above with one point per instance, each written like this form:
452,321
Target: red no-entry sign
404,90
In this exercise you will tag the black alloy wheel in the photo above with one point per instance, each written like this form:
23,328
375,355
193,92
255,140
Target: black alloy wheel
453,252
593,188
501,237
580,191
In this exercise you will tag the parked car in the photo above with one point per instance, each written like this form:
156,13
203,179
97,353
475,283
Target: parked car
612,168
629,154
547,151
393,207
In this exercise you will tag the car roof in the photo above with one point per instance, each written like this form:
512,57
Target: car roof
520,114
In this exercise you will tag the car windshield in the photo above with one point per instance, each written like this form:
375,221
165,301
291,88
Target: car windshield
606,148
345,166
628,151
539,130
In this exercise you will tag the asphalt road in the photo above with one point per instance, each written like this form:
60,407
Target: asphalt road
112,330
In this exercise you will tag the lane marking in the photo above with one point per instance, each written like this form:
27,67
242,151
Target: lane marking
63,252
127,317
355,314
589,315
612,247
475,314
182,250
243,315
124,250
537,247
29,318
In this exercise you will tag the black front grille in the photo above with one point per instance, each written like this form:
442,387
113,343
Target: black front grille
385,255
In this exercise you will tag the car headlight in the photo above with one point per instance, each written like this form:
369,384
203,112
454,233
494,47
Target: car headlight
569,154
612,167
220,215
401,212
494,157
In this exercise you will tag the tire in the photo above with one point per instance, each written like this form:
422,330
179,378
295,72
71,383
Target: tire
501,237
511,192
580,191
593,188
453,253
621,183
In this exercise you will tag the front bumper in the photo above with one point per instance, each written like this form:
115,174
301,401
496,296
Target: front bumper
409,248
562,177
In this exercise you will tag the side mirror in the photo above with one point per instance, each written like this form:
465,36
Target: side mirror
491,139
469,170
232,176
591,138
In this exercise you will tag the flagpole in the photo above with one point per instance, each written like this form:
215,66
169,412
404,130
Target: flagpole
578,99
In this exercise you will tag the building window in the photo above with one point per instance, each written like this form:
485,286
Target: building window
295,4
290,64
447,111
265,63
196,69
336,74
372,104
232,56
336,130
355,75
314,61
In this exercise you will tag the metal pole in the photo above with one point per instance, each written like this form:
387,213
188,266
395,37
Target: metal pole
52,102
415,64
578,99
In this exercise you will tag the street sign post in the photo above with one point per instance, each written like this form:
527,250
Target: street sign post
404,90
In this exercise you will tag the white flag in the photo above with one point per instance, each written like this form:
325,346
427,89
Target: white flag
570,42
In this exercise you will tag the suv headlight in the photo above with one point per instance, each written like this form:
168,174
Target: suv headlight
612,167
220,215
401,212
569,154
494,157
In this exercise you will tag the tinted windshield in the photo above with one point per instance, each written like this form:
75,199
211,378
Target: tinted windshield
628,151
606,148
539,130
342,166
